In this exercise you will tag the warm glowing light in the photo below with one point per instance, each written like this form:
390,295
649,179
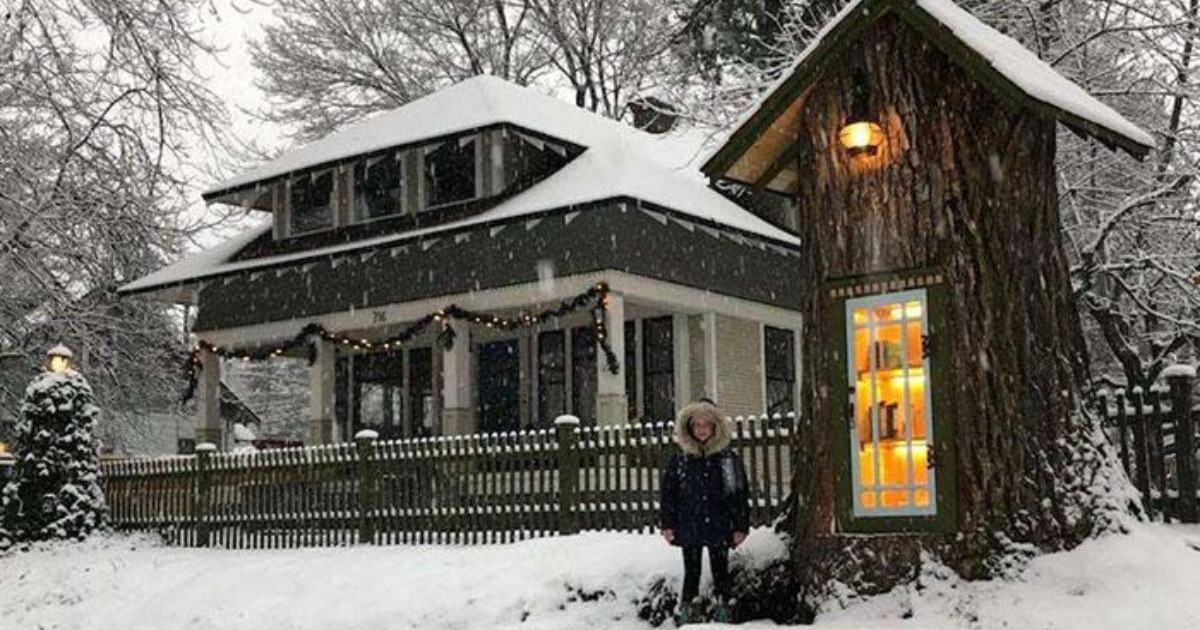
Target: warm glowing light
893,466
915,379
912,310
3,448
861,138
58,359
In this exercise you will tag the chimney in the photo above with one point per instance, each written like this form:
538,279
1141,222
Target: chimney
652,115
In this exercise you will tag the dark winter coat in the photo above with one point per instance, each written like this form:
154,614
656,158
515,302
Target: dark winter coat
705,496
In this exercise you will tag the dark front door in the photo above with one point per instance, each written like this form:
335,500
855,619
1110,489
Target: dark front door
500,386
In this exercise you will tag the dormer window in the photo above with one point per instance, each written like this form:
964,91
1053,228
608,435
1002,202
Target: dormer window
450,171
311,202
379,187
527,158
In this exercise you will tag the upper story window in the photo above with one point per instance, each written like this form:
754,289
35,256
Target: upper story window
379,187
527,158
311,202
450,171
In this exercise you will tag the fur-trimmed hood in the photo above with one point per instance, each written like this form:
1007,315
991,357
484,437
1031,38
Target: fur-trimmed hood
722,432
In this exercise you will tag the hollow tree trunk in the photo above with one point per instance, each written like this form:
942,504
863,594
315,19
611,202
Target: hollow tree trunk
964,184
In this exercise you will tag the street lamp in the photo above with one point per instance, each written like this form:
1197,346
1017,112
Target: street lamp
58,359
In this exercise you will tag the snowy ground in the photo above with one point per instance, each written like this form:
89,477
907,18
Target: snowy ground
1149,579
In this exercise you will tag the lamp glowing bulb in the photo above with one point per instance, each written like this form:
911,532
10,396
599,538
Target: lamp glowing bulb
861,137
58,359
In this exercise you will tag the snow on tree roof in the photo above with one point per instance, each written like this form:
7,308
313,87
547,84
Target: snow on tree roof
1019,65
618,162
1012,61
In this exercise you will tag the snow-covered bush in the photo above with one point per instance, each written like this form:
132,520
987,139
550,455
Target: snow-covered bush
55,493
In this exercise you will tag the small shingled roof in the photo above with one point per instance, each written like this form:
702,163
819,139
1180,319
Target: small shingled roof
960,35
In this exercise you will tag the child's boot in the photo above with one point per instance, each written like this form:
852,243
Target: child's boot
721,612
685,614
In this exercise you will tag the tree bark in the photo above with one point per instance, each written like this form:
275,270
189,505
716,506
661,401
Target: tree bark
964,184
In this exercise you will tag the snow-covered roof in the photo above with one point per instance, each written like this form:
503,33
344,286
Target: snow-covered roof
475,103
618,162
1006,56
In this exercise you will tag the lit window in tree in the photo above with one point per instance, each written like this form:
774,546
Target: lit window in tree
450,171
311,202
890,435
378,187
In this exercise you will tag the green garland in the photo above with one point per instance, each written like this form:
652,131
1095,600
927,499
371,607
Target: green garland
595,297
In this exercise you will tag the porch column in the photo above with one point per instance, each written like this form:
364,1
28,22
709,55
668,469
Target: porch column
612,408
457,416
209,427
321,384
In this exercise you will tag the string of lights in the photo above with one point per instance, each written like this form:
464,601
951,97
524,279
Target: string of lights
595,298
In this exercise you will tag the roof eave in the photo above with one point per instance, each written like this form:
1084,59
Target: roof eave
182,293
861,18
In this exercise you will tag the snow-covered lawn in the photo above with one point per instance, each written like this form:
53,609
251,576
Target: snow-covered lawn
1148,579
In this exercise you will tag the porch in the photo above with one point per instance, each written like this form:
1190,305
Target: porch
672,344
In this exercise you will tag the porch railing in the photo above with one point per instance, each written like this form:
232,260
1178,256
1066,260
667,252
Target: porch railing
469,489
1156,434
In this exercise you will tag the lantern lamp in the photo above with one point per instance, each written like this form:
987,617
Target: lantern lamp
59,359
860,135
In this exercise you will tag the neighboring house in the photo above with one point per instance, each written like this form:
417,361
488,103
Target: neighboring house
494,197
170,432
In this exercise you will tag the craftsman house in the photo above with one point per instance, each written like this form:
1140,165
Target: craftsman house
488,258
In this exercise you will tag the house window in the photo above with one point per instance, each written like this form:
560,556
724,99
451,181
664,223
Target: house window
583,374
371,393
658,357
450,171
552,377
528,159
890,435
779,371
374,393
630,367
420,391
311,202
379,187
499,382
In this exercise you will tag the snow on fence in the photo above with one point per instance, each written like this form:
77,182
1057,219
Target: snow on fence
470,489
1156,434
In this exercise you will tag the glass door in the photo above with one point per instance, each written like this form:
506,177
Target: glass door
890,437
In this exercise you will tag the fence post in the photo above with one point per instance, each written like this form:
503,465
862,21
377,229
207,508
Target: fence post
368,488
203,500
565,429
1180,378
1141,453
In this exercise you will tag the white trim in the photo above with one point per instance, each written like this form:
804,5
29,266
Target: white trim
762,365
682,360
710,351
859,510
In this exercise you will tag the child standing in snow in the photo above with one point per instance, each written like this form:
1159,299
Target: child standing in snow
704,503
